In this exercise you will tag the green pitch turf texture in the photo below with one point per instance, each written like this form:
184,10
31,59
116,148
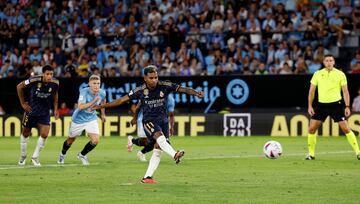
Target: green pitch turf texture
214,170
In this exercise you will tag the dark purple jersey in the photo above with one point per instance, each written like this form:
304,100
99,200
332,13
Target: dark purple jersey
40,95
154,101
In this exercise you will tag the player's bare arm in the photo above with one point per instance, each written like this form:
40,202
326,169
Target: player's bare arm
83,106
114,103
102,111
190,91
346,96
55,102
311,99
20,91
172,121
135,114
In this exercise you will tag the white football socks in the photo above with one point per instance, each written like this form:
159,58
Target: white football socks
23,145
39,146
153,163
165,146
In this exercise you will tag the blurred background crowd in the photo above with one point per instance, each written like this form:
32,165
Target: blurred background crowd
182,37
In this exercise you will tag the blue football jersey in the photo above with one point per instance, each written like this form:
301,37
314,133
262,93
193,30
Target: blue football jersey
154,102
85,96
40,95
170,108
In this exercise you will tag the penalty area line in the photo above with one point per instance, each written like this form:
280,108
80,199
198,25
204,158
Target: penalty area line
6,167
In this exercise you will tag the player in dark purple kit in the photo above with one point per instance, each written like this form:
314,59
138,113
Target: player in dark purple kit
41,94
153,96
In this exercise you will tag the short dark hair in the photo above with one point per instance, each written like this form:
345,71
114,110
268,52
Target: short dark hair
47,68
329,55
150,69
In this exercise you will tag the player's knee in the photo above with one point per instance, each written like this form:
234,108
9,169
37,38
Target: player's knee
156,146
70,140
44,135
26,132
312,129
143,141
157,152
157,134
95,140
346,130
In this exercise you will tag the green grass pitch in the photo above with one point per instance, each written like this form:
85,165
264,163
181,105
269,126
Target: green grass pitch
214,170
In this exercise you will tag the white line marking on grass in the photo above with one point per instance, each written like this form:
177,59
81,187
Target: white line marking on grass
126,184
261,155
6,167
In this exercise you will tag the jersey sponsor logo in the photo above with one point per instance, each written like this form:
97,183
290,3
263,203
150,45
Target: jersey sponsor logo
155,103
50,89
42,95
237,124
161,94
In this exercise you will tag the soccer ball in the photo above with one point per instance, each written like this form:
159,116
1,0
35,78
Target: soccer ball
272,149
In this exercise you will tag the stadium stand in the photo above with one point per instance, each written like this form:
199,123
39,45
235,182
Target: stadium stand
182,37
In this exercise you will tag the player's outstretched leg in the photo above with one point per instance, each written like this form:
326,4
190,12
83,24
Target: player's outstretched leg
153,164
166,147
23,147
178,156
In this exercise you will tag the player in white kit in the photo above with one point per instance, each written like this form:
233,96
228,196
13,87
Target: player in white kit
84,118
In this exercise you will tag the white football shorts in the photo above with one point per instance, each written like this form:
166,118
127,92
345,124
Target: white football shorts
91,127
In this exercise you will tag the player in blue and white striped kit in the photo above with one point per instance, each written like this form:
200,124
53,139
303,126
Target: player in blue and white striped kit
84,118
142,140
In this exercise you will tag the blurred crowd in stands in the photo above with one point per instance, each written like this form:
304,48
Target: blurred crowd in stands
182,37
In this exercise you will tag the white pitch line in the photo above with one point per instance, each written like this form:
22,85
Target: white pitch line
5,167
261,155
126,184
